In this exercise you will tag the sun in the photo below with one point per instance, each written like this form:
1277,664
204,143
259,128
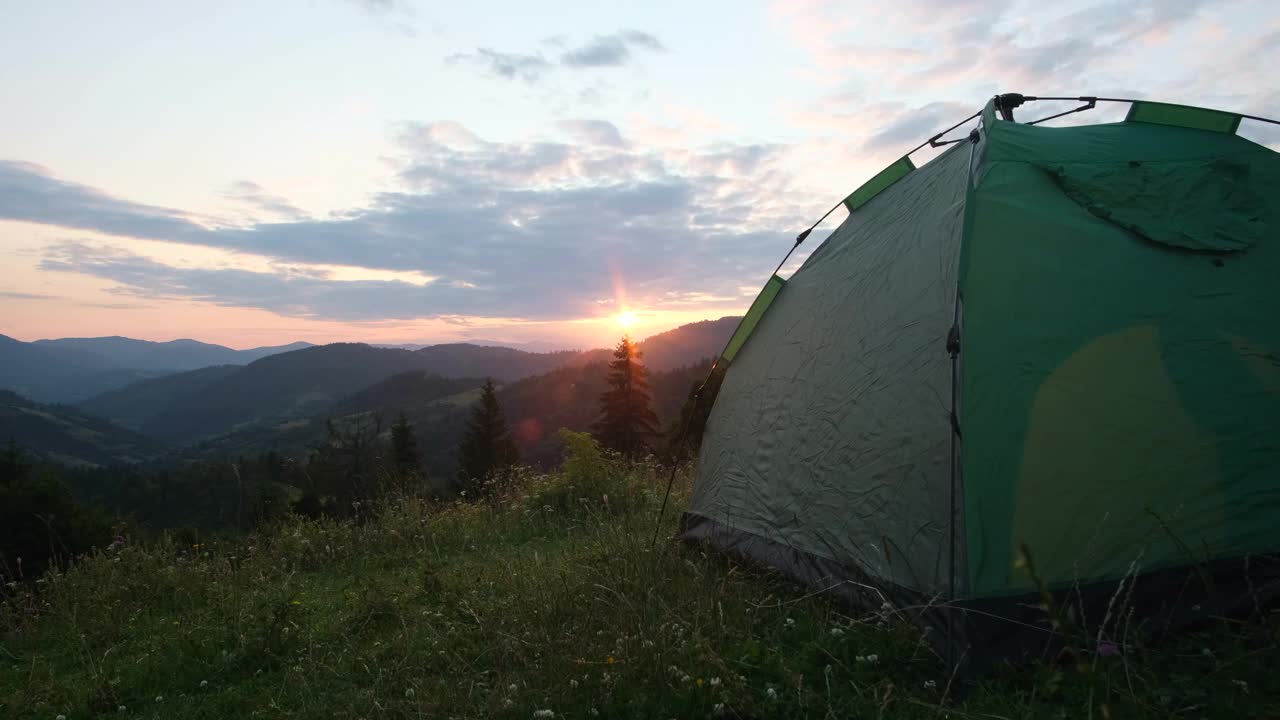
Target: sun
625,320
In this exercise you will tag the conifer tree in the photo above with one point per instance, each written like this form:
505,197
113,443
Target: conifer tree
627,419
404,447
487,445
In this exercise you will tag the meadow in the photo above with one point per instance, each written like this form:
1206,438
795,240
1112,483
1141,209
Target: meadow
544,599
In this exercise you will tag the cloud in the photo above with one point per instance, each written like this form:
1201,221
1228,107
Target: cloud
30,193
25,296
610,50
252,194
379,7
594,132
512,66
536,230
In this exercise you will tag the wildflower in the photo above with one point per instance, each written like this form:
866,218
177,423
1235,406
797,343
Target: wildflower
718,710
930,684
684,679
771,693
159,698
715,682
791,622
544,713
1106,648
61,717
408,692
296,602
873,659
609,660
121,708
836,632
699,682
508,702
573,683
204,684
673,670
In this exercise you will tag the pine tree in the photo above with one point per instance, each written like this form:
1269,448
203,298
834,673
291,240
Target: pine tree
404,447
487,445
627,419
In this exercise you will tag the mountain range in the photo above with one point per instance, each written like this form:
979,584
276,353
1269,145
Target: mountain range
70,370
282,399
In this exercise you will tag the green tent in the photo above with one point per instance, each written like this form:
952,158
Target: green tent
1058,339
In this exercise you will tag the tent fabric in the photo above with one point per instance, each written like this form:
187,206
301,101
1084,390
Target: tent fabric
1116,390
1110,412
830,433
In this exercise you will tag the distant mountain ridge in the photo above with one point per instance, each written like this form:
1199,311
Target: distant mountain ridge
71,370
201,405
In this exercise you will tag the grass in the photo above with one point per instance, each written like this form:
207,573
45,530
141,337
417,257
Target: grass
548,599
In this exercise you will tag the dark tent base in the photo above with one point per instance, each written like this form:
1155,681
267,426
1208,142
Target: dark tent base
986,632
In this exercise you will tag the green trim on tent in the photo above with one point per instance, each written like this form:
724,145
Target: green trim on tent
1183,116
752,318
877,184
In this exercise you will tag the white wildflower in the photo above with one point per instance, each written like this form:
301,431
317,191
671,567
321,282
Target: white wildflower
773,694
61,717
513,687
873,659
836,632
573,684
791,622
544,713
408,692
508,702
930,684
159,698
685,679
715,682
204,684
718,710
121,708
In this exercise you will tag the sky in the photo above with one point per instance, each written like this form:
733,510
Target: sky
547,174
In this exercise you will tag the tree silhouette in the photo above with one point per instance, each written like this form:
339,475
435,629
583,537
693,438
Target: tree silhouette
487,445
404,447
344,468
627,419
684,437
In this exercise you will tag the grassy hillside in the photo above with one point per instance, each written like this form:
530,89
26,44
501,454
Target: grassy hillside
439,409
65,435
546,603
133,406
